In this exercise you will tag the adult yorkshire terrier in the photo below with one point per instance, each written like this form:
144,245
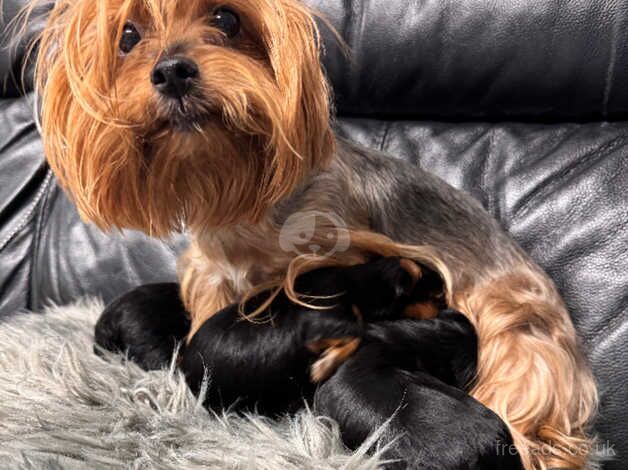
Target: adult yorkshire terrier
214,116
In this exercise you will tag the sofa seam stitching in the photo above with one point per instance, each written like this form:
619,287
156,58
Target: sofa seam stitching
37,238
29,212
384,137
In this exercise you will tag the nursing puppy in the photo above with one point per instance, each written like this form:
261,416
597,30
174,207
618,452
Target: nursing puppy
410,376
395,370
147,324
273,363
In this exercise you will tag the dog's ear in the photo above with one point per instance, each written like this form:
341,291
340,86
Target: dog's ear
80,128
293,45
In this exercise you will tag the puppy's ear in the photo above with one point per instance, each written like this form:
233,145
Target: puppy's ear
381,288
397,277
294,53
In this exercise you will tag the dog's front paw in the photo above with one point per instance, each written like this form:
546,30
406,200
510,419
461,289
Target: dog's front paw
146,323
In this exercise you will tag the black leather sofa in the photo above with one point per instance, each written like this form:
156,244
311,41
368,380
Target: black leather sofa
523,103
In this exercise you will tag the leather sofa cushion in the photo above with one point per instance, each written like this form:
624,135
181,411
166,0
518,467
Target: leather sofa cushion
480,59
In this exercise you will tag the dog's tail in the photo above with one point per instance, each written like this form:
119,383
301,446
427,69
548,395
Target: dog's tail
531,370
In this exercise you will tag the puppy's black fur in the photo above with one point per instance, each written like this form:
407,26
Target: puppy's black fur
408,372
409,375
146,323
266,366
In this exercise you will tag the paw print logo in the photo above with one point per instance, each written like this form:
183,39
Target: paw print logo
314,232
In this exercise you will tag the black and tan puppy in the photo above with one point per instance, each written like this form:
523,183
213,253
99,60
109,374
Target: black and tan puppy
281,356
272,365
147,324
391,368
409,376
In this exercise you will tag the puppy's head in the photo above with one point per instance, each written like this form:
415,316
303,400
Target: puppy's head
390,288
162,113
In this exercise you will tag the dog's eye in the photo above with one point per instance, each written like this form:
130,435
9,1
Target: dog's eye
227,21
129,39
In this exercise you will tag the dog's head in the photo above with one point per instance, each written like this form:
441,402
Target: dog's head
163,113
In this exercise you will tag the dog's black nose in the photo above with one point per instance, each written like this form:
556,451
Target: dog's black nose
174,76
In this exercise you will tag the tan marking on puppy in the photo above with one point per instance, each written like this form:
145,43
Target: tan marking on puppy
413,269
336,352
421,311
356,312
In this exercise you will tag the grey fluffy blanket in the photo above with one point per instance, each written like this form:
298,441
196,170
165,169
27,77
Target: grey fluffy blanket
63,407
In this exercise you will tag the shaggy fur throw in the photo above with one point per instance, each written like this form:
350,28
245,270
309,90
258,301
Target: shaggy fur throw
62,407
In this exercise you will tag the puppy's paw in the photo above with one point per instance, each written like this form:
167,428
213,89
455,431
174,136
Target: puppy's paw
335,352
146,323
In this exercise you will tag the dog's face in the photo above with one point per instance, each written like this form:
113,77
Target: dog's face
163,113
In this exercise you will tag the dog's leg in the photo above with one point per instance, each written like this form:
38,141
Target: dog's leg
204,290
530,369
147,323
